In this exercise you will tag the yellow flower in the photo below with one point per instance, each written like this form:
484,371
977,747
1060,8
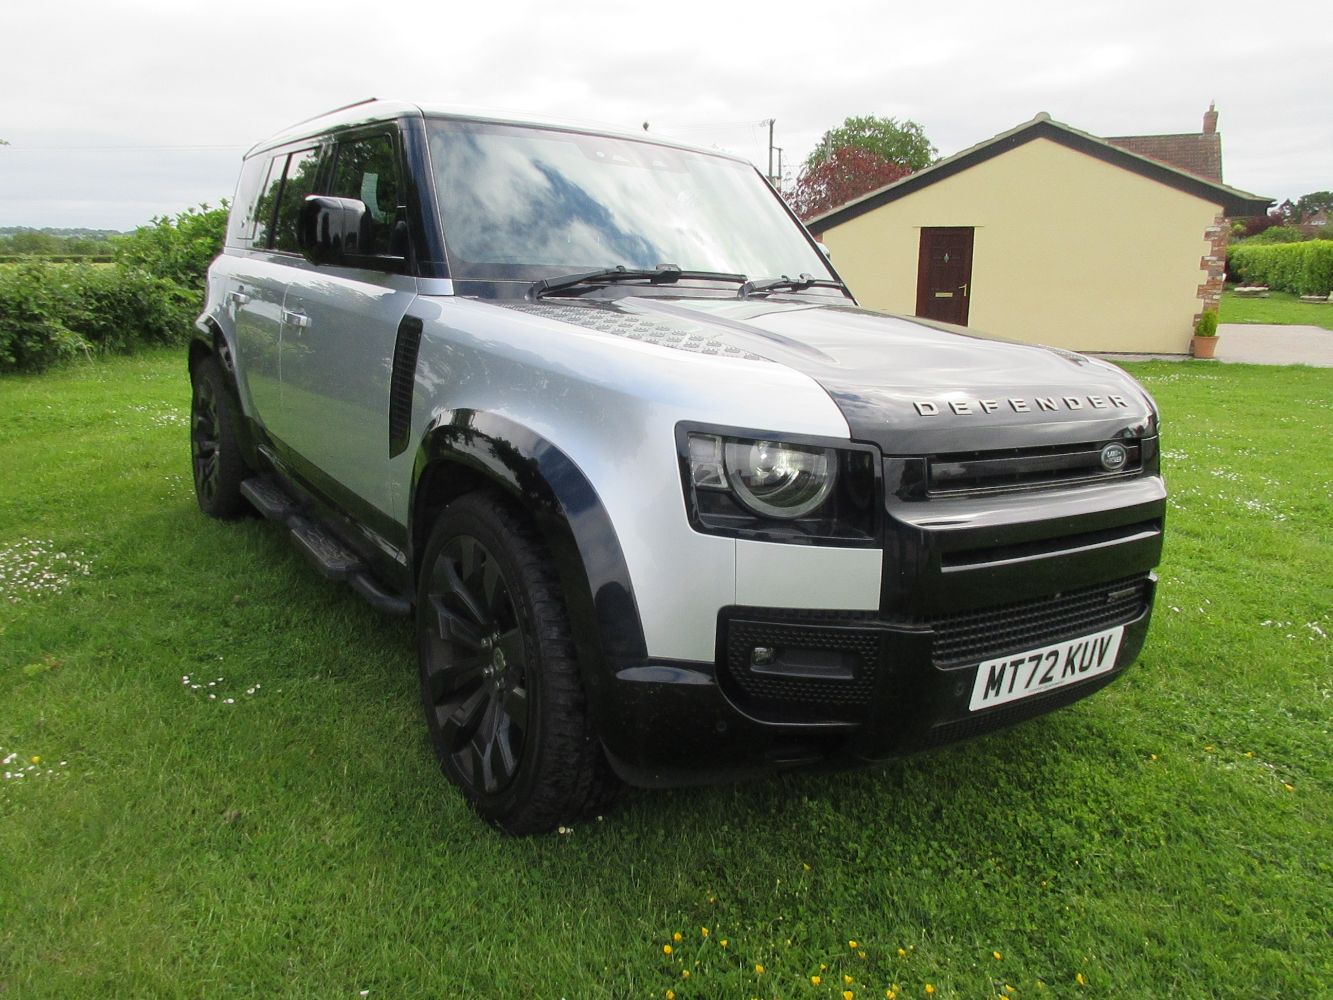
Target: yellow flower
861,955
723,942
666,949
823,967
848,995
997,956
684,973
1080,980
890,995
1154,756
1009,989
815,980
1290,788
848,980
35,759
676,937
852,945
805,866
703,931
902,952
758,970
671,995
929,989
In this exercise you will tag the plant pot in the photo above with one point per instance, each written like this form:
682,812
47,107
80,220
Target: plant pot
1203,347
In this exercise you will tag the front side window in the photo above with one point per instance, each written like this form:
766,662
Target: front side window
524,203
367,169
298,181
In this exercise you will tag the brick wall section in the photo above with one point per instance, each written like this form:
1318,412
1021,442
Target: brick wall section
1214,265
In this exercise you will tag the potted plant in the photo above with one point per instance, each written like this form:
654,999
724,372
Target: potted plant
1204,342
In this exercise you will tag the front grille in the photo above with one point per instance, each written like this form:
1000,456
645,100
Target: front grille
976,472
973,636
859,649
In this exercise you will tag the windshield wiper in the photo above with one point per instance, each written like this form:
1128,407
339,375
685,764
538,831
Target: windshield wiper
785,283
663,274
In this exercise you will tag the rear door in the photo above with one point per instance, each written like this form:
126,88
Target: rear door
944,274
258,283
340,326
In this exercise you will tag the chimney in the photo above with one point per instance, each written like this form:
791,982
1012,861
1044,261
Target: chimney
1210,119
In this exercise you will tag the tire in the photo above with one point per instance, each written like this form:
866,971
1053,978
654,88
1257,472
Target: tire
215,455
499,681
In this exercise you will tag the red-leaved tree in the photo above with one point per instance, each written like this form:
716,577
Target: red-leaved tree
845,174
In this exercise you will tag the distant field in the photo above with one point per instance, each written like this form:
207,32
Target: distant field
216,781
1279,307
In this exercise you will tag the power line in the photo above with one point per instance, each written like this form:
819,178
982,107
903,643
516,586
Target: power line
114,149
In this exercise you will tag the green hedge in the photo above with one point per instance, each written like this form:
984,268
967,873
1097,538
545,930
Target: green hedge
51,312
1301,268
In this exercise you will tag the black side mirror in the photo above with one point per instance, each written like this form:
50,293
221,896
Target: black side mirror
333,229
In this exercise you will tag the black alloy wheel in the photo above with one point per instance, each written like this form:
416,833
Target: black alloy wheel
500,683
215,456
475,667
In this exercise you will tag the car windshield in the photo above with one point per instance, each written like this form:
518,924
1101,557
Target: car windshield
523,203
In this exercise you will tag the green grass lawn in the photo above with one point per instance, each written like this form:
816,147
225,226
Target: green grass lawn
226,788
1279,307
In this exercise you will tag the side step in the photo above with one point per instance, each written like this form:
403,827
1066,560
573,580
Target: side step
332,560
330,557
268,498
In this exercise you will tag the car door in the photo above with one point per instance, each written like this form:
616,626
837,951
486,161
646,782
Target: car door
340,325
258,282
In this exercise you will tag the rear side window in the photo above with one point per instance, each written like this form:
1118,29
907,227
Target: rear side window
298,181
241,225
366,168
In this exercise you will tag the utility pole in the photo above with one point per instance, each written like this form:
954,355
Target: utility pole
778,183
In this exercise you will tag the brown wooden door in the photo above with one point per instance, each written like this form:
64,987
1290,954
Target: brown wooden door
944,274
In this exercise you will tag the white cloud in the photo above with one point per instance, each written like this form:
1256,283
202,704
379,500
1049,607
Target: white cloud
79,75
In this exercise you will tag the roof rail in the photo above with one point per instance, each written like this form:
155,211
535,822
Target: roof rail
334,111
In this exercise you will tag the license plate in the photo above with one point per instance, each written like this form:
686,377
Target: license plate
1021,675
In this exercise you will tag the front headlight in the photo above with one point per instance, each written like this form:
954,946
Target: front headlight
782,490
771,478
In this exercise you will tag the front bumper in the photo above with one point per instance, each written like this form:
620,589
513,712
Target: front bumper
859,687
965,579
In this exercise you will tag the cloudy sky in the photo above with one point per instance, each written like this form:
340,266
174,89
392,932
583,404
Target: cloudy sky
120,110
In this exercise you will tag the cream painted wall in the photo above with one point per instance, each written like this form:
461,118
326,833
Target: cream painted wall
1070,251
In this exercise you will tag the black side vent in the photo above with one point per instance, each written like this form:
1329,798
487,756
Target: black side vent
1000,471
401,383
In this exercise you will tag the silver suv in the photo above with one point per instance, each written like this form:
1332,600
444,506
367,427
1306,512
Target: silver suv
667,506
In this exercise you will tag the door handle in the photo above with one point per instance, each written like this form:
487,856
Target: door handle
240,298
965,291
297,319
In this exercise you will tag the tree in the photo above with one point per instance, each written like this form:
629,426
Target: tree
1308,204
845,174
902,142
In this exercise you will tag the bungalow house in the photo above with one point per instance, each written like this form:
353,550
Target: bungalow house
1050,235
